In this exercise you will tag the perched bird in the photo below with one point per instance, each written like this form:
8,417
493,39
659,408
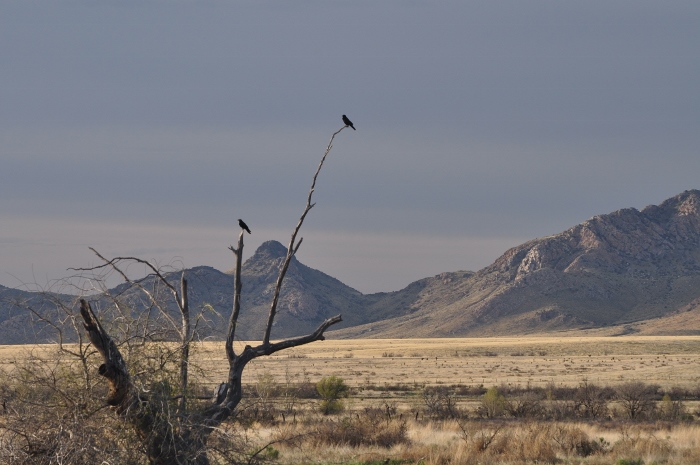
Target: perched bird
348,122
243,225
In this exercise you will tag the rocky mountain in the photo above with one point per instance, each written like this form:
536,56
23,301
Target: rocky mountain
308,297
627,271
33,316
613,269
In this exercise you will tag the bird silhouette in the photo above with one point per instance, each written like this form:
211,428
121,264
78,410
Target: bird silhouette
348,122
243,225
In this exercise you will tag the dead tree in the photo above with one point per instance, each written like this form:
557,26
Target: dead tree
178,435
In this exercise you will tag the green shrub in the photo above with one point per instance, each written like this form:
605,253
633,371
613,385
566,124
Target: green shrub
493,404
332,389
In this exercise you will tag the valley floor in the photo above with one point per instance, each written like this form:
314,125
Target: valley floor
524,361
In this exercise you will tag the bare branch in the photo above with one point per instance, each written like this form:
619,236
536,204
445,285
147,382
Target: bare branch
291,250
113,264
297,246
317,335
185,341
237,286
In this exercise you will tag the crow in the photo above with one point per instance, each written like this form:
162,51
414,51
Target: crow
348,122
243,225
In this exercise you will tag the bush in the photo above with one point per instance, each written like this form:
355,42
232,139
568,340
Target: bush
590,401
439,402
332,389
493,404
368,429
573,441
636,398
672,409
527,405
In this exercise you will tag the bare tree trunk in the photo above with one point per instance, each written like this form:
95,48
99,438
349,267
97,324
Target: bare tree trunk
122,395
147,414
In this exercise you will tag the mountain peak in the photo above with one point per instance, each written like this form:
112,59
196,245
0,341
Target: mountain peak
683,204
267,259
271,249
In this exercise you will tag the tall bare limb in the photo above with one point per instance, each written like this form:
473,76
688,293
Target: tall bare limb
237,286
292,248
185,340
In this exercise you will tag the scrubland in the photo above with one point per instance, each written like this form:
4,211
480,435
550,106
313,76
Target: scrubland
578,400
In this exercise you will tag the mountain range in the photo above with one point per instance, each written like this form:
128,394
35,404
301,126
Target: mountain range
630,271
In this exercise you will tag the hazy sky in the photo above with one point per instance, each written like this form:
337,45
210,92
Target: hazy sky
148,127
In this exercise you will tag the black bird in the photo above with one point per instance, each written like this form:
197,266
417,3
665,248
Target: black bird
348,122
243,225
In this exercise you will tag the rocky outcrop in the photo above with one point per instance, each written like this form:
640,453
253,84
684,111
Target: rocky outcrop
616,268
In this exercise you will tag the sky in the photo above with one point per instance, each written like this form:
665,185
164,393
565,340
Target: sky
147,128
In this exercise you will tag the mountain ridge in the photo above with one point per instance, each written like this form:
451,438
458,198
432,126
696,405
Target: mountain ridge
610,271
626,262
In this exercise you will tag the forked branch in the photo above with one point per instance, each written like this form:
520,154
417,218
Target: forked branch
293,247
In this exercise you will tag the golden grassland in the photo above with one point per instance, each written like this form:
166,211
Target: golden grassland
534,361
515,361
445,443
669,361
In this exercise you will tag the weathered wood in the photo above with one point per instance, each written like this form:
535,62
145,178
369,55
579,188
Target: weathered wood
164,444
185,339
122,394
237,287
181,437
293,246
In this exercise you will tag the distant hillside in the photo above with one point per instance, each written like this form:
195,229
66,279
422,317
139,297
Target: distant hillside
308,297
613,269
628,271
19,325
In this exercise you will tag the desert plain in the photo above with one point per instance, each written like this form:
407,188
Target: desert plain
512,361
515,361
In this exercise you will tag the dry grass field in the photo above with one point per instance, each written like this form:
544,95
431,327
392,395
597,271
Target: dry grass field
535,361
376,370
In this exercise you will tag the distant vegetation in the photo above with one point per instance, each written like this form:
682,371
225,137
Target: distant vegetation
289,415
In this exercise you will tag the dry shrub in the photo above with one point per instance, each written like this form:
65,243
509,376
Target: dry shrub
487,441
53,413
368,429
690,456
440,402
525,405
481,437
531,443
647,446
571,440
